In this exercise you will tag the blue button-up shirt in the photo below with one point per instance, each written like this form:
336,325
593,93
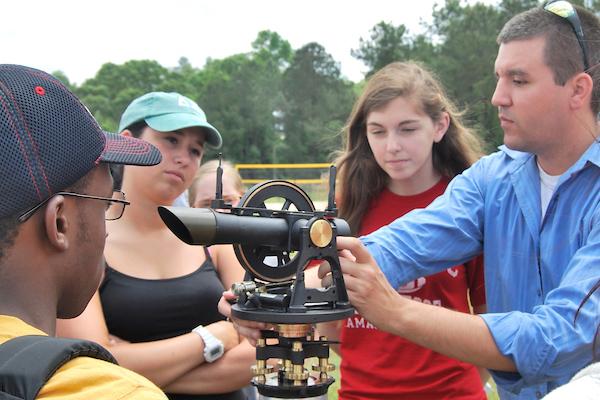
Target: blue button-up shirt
537,271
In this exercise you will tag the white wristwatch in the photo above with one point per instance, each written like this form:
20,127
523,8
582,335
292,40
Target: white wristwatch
213,347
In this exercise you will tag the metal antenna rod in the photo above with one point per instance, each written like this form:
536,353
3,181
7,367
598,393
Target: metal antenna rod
218,202
331,206
219,193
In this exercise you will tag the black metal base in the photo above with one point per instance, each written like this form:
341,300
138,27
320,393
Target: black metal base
288,391
308,317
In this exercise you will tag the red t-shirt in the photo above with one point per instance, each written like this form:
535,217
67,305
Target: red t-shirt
379,365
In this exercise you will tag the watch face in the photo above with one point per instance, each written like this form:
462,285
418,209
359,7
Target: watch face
215,351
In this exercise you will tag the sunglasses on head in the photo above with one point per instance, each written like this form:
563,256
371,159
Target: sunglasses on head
565,10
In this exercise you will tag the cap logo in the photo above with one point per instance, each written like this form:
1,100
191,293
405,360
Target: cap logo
185,102
40,90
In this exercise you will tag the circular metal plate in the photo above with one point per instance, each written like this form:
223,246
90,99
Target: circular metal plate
321,233
265,262
309,317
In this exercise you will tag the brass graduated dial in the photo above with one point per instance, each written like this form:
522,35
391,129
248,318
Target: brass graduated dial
321,233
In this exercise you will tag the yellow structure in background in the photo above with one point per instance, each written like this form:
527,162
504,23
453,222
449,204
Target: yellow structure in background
299,181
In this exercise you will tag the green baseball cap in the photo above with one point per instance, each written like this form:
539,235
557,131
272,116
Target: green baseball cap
166,112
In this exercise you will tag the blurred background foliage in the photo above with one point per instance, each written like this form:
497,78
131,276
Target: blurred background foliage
277,104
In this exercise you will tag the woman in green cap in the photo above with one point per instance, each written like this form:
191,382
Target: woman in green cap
156,308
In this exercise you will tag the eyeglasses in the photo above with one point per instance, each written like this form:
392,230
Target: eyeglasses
114,206
565,10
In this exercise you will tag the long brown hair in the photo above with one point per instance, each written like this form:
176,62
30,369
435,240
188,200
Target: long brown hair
360,177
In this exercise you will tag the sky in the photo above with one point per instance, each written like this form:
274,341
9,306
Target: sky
77,37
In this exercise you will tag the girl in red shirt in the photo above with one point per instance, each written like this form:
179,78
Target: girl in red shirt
404,142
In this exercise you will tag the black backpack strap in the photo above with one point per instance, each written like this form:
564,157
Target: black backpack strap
27,362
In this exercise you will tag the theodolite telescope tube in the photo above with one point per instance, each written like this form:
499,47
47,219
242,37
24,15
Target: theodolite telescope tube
204,226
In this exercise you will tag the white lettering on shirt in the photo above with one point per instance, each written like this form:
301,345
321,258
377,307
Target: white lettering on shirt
359,322
453,272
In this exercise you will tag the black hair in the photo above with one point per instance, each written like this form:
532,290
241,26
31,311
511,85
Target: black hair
137,128
9,226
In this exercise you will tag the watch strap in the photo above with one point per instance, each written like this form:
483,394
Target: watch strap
213,347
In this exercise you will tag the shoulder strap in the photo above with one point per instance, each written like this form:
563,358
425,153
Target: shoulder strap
27,362
207,253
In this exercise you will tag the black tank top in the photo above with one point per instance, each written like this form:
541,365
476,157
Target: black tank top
144,310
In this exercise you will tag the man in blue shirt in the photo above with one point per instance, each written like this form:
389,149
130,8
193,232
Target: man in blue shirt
533,209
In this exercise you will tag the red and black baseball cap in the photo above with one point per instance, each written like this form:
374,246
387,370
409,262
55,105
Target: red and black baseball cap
49,140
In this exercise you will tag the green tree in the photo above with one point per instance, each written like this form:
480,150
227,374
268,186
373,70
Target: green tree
317,103
115,86
270,47
184,79
460,46
109,92
243,94
61,76
465,61
465,58
389,43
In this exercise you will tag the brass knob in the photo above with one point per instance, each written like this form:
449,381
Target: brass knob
243,287
321,233
261,371
323,368
296,376
293,330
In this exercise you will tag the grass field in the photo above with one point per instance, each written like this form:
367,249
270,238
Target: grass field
332,393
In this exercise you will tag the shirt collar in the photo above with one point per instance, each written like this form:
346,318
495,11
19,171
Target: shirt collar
12,327
518,157
591,155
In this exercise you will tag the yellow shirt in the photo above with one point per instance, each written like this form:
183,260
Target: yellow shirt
85,378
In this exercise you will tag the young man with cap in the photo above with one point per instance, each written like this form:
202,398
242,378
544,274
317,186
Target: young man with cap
532,208
56,193
159,295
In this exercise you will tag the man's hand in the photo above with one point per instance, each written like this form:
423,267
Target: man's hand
368,289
